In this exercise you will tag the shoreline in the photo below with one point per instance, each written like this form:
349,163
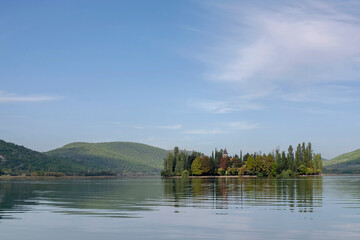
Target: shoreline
8,177
234,176
23,177
247,176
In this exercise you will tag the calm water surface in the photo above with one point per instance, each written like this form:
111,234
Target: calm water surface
153,208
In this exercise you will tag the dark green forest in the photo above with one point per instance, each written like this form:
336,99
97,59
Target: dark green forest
301,161
18,160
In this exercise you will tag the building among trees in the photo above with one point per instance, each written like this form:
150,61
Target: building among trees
225,153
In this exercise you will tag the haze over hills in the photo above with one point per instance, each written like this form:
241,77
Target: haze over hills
113,158
345,163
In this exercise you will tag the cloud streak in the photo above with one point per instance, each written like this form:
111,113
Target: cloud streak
170,127
287,49
225,106
243,125
228,127
10,97
205,131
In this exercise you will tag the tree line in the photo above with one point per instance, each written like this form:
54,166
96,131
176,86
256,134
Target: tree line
302,161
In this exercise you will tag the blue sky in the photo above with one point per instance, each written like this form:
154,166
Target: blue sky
250,75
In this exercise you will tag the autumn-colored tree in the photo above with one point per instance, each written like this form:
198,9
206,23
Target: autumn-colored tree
205,164
196,166
201,165
223,163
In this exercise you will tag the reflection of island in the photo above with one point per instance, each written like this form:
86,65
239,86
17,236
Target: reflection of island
293,194
125,198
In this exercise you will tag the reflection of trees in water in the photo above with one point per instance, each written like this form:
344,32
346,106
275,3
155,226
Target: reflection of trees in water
294,194
123,198
14,198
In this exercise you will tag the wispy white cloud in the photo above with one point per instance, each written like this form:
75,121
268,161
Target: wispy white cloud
225,106
314,110
227,127
170,127
243,125
205,131
287,49
326,94
11,97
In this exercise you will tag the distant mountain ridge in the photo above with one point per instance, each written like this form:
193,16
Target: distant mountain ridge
347,163
80,158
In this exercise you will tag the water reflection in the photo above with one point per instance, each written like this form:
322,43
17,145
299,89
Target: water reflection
155,208
131,197
111,198
293,194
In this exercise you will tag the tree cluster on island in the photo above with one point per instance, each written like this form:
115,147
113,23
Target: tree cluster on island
278,163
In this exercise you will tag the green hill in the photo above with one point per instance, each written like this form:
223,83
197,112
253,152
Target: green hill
113,158
17,160
118,157
348,163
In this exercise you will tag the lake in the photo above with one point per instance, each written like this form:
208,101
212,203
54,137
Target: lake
153,208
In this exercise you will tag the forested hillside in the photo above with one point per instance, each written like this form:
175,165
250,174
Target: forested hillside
118,157
348,163
84,159
17,160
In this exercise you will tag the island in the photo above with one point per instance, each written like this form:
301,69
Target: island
276,164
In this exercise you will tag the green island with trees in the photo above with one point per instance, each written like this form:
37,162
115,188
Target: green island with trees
302,161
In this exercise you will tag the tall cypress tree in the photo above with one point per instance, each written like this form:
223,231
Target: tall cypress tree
180,163
284,163
303,155
278,157
298,157
310,155
169,163
290,159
